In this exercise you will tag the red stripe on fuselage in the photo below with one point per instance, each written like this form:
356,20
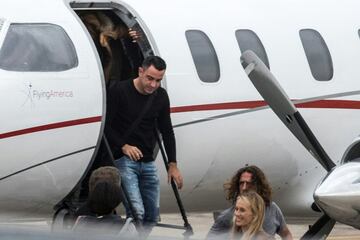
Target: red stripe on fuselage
51,126
340,104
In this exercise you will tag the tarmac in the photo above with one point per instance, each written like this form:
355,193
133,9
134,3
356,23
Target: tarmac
201,223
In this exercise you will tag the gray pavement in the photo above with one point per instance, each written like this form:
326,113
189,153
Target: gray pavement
201,223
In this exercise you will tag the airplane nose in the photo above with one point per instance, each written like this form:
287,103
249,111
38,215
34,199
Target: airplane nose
339,194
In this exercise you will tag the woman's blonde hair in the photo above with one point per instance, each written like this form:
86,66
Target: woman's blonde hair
102,29
257,206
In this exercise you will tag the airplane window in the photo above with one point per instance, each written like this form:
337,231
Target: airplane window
248,40
317,54
204,56
37,48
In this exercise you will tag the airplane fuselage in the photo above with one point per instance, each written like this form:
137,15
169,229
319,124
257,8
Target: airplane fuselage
53,120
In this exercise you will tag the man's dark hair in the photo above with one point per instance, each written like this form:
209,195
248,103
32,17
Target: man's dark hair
106,173
259,180
155,61
104,198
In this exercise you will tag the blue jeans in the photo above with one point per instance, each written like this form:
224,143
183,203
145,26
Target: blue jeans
140,181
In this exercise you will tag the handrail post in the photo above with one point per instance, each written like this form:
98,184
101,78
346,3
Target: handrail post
189,230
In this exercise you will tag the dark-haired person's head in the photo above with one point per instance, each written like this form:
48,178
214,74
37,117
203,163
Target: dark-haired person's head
106,173
155,61
248,178
104,198
151,73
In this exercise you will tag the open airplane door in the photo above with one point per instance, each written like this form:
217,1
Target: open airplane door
124,55
52,106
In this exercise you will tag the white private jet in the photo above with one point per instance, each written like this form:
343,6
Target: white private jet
54,94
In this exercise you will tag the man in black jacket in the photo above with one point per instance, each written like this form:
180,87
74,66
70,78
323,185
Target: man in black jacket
133,149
